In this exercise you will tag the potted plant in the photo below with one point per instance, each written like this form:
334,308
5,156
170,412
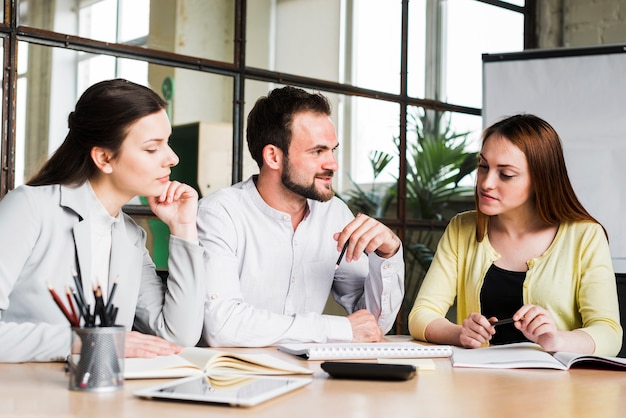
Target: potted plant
437,160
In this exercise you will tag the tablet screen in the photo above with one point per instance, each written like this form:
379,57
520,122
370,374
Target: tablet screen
235,391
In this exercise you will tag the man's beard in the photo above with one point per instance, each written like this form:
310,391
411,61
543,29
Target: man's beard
308,191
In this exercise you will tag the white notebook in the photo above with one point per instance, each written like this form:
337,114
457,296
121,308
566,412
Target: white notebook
355,351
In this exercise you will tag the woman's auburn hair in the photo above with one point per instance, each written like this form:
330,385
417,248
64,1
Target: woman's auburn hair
553,194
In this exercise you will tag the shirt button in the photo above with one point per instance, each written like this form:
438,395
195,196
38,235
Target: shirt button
285,218
293,280
214,296
385,266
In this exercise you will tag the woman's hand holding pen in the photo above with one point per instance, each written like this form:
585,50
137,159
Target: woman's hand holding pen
367,235
177,207
537,324
476,330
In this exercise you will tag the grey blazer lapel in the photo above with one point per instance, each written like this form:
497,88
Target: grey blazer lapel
77,199
82,240
126,258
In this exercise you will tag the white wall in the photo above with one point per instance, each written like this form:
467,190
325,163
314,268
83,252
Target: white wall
584,99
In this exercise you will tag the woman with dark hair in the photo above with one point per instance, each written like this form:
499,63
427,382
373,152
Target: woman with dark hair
530,253
68,220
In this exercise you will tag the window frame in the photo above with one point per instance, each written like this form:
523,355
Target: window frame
11,33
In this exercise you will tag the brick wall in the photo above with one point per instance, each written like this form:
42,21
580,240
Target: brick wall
580,22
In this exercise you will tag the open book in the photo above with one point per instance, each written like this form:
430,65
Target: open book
346,351
215,364
530,356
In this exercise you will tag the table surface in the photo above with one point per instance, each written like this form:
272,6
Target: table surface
41,389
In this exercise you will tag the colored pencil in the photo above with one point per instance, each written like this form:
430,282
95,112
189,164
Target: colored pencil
61,306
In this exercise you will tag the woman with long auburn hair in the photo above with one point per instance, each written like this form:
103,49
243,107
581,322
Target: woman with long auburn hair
530,254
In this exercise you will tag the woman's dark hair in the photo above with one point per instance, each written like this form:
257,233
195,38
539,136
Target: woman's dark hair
555,199
101,118
270,120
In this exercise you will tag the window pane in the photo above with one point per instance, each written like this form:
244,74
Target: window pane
489,30
45,94
134,19
377,34
297,36
447,141
472,126
202,28
416,48
93,68
339,42
134,70
370,156
45,100
96,21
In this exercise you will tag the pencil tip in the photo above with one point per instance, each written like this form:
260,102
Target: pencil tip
336,266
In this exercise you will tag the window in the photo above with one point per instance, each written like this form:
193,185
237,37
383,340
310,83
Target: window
394,74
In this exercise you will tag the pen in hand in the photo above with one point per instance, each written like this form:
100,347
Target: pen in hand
503,322
343,251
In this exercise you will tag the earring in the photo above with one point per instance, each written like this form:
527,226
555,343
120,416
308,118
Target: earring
107,169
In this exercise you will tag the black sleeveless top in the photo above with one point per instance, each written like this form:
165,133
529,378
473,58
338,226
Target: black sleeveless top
501,296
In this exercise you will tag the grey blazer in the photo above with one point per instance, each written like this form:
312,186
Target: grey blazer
43,231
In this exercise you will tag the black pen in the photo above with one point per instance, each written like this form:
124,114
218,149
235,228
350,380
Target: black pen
109,305
503,322
343,251
82,309
79,289
110,308
98,309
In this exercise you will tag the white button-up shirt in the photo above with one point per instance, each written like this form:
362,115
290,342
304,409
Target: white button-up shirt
268,284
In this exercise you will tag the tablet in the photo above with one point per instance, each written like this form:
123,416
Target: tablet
243,391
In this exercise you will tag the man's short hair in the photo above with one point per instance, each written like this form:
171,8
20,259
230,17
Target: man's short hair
271,118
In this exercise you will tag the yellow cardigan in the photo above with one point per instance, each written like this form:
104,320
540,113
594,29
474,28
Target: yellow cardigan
573,279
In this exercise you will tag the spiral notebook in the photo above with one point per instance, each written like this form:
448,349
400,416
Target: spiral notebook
355,351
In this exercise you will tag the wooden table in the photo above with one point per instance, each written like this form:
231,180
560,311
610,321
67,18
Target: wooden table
41,390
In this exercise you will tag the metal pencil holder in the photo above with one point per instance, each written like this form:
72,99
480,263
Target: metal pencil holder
97,360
